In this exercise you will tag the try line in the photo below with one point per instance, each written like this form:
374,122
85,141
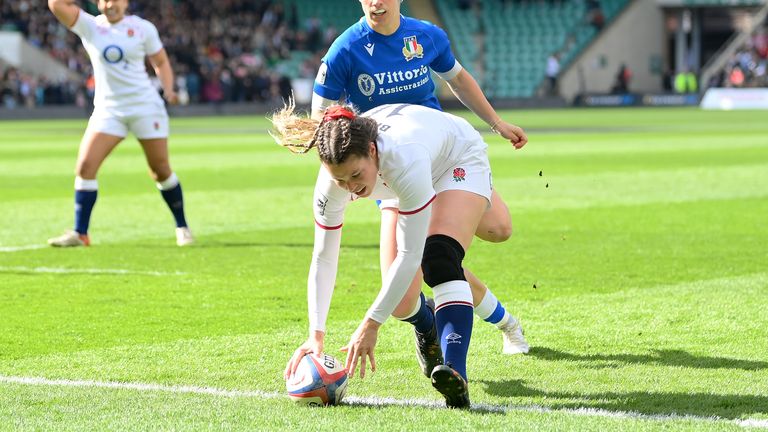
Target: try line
368,401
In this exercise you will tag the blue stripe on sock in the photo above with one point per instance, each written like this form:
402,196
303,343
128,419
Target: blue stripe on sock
497,314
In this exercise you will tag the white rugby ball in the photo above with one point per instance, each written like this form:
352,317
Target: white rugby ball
319,380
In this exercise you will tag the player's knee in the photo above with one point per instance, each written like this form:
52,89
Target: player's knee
441,261
86,169
160,172
495,232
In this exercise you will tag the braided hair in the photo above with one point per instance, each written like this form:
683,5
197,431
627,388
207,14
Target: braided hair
339,135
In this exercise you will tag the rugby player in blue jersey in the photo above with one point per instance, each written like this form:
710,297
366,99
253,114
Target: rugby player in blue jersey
388,58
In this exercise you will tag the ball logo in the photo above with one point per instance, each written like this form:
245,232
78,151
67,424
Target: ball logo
366,84
113,54
459,174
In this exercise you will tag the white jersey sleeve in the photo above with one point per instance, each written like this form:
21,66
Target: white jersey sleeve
329,203
152,42
85,25
411,235
414,190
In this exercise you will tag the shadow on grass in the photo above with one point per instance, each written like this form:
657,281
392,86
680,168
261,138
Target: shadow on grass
659,357
727,406
436,404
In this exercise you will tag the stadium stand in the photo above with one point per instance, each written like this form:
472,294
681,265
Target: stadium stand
249,50
517,37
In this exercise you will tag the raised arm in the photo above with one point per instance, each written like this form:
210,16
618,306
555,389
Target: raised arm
164,72
66,11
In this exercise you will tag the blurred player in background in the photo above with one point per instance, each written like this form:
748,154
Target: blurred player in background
388,58
125,100
436,165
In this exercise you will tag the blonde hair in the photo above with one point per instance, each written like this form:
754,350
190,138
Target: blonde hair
341,133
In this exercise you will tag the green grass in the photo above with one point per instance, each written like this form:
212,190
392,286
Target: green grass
644,235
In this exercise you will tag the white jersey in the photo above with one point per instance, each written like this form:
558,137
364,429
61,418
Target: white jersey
117,53
422,152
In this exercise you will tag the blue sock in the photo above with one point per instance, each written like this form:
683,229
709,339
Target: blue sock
84,202
175,200
454,325
423,319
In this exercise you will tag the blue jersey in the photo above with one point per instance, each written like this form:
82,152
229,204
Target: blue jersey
371,69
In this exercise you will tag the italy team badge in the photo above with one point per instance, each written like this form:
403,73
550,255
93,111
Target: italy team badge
412,48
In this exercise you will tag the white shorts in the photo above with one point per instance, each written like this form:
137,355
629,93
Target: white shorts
472,174
146,122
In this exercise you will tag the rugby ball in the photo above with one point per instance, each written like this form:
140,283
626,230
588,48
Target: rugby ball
319,380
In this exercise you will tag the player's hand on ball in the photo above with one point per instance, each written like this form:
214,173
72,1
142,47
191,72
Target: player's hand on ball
361,347
514,134
314,344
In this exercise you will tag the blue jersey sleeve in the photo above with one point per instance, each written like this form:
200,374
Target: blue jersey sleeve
332,75
445,60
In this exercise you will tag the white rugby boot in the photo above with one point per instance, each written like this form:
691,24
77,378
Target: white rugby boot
70,238
514,341
184,236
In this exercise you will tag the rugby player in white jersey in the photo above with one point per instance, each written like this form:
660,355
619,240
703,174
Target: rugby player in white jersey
388,58
125,100
436,166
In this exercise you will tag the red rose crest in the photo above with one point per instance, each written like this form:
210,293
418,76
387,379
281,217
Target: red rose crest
458,174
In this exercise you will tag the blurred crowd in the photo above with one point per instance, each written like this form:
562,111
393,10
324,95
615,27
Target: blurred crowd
747,67
227,51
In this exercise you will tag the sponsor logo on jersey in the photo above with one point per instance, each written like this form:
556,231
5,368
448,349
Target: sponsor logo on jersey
112,54
404,80
453,338
412,48
321,74
458,174
369,47
366,84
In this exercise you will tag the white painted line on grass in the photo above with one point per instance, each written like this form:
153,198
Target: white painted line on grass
60,270
374,401
22,248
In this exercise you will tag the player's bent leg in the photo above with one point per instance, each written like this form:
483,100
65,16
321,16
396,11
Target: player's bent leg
441,263
156,152
455,217
496,223
94,148
489,309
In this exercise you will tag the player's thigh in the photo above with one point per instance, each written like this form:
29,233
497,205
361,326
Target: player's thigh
456,213
463,196
496,223
103,134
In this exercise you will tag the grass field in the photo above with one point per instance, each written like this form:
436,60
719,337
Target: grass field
645,237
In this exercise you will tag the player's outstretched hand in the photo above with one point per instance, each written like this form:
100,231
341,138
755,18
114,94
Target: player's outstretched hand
314,345
514,134
361,347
